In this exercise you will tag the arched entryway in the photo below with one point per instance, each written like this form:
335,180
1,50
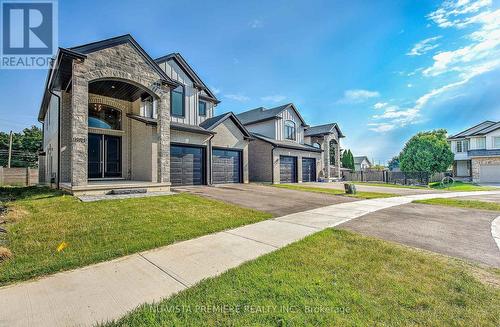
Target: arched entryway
112,147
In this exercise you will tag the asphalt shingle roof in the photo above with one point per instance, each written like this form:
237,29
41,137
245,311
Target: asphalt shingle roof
322,129
286,144
479,129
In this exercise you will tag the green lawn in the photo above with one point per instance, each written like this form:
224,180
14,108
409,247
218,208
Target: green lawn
458,186
473,204
362,195
334,278
40,219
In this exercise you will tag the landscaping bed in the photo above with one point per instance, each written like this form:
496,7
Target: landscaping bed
48,231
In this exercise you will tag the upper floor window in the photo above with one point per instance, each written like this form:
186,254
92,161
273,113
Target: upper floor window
177,101
202,108
103,116
290,130
481,143
496,142
462,146
317,145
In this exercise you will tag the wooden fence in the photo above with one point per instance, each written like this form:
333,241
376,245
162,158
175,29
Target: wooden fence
18,176
391,177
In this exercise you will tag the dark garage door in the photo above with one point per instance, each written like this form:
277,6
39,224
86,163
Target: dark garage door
186,165
226,166
288,169
308,169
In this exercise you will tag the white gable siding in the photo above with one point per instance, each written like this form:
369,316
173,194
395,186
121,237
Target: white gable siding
289,114
490,139
191,95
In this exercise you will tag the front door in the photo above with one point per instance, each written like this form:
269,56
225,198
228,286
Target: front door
104,156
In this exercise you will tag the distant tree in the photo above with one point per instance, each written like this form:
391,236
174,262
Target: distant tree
25,146
378,167
347,159
427,152
393,163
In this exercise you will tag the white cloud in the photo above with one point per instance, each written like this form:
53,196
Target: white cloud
450,12
273,98
358,96
381,127
380,105
237,97
256,23
409,85
424,46
215,90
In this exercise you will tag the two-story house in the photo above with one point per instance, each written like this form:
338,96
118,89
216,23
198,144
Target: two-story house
477,153
287,150
362,163
115,119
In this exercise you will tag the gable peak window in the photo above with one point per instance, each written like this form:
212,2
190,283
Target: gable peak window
177,101
290,130
202,108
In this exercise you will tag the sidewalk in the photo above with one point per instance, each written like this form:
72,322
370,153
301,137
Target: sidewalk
110,289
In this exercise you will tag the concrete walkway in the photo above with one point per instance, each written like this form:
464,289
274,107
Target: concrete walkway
110,289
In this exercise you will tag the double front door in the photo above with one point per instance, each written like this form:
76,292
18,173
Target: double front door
104,156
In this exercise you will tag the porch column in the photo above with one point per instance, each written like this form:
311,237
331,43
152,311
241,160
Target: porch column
79,126
337,158
163,131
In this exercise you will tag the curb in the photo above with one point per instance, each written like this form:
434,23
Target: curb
495,231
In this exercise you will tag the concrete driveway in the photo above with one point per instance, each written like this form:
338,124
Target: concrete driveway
457,232
377,189
276,201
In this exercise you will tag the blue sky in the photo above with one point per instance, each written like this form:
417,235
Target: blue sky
383,70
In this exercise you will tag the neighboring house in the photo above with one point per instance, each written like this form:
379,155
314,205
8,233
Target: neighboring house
114,118
286,149
477,153
362,163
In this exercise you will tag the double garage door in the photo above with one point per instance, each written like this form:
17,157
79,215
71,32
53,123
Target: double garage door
188,166
288,169
489,174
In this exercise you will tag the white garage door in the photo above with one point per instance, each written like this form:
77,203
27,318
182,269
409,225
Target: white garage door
490,174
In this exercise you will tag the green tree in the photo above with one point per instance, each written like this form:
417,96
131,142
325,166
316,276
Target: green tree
25,146
427,152
393,163
347,159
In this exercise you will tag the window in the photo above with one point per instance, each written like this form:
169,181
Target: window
496,142
481,143
459,146
103,116
317,145
290,130
202,108
466,145
177,101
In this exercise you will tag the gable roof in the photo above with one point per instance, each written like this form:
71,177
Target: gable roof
359,160
122,39
323,130
286,144
179,59
262,114
211,123
475,130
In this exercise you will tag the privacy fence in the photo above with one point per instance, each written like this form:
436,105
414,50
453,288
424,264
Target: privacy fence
18,176
390,177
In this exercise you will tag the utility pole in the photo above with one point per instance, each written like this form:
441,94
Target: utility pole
10,149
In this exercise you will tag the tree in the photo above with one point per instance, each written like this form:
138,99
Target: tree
347,159
427,152
393,163
25,146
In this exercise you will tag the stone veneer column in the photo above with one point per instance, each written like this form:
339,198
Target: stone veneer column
79,126
65,137
326,156
337,159
163,131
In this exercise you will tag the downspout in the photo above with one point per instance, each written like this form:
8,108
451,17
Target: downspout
58,137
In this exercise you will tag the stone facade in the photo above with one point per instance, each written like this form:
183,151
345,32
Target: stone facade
328,169
478,162
124,63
